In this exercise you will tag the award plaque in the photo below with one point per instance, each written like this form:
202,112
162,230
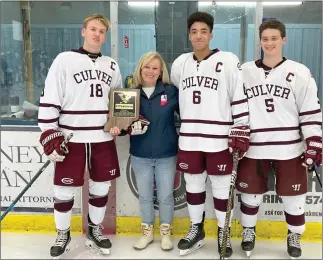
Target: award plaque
123,108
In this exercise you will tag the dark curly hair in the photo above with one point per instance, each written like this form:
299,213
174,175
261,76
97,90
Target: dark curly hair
200,17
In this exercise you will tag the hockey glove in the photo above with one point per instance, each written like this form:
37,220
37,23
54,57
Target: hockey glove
52,140
138,127
239,140
313,152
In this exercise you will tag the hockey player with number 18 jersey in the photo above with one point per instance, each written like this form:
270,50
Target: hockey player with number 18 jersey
76,100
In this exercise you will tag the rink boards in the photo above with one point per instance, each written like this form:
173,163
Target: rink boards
22,156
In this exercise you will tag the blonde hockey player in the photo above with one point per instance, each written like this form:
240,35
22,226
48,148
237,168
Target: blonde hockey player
214,116
285,115
75,99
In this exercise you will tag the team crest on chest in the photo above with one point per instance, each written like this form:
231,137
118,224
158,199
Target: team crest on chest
163,100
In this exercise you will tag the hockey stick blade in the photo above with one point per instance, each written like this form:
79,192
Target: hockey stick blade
229,206
32,181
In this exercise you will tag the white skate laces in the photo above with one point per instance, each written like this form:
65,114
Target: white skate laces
294,239
192,233
96,232
248,234
61,239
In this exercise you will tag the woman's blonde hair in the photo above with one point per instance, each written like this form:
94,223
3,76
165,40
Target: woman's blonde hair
146,58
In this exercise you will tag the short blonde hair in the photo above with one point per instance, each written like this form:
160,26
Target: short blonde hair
146,58
105,21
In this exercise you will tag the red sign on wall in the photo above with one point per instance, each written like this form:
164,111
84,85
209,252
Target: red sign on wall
126,41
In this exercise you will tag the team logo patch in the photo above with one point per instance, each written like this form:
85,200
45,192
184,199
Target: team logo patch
183,166
179,188
67,181
163,100
243,185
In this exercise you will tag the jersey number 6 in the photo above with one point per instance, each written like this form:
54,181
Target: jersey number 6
196,97
269,104
96,90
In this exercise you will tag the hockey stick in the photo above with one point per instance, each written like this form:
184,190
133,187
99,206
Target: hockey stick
229,206
317,175
63,147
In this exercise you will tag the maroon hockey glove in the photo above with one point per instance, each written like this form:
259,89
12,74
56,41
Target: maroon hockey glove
313,152
239,140
138,127
51,140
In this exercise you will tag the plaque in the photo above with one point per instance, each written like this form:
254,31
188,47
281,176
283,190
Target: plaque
124,105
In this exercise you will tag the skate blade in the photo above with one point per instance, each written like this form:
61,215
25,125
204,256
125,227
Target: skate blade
248,253
192,249
94,248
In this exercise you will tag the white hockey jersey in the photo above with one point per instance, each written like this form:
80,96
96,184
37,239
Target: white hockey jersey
283,106
211,100
76,96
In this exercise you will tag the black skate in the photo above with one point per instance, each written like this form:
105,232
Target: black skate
248,240
61,243
228,251
193,240
293,245
96,241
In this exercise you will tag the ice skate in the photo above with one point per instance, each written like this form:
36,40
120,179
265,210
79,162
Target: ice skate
248,240
293,245
193,240
228,251
61,244
96,241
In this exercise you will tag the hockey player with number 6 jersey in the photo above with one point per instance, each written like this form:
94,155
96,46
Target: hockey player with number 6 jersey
214,122
285,136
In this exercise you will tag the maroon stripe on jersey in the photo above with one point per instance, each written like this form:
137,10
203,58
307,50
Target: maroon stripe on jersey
240,115
274,129
87,112
310,112
202,135
311,123
48,120
210,122
49,105
275,143
81,127
239,102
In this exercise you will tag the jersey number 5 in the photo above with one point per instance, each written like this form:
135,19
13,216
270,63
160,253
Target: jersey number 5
96,90
196,97
270,105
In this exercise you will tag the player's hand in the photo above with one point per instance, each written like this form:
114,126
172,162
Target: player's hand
114,131
313,153
138,127
52,141
239,140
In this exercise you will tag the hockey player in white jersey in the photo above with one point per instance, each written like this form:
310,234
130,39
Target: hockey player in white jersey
75,100
285,117
213,107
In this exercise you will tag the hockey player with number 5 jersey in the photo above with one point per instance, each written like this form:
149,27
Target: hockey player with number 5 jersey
285,136
214,122
76,100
